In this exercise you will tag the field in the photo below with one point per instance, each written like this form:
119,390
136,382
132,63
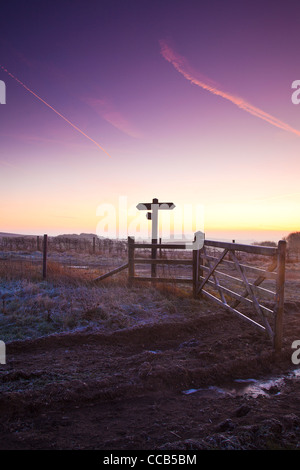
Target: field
110,367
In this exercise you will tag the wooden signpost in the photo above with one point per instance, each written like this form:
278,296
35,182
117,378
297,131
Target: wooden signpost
154,206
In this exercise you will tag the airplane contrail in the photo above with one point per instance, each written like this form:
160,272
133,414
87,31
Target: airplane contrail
182,66
49,106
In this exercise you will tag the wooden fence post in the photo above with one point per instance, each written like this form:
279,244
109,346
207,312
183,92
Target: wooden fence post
130,260
94,245
279,295
153,256
45,252
38,243
195,271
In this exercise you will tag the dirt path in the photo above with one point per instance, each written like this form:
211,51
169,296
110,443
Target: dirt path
170,385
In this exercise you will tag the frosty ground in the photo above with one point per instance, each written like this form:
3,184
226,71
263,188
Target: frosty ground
111,367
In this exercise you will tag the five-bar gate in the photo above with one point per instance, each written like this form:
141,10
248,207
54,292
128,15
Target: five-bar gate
246,280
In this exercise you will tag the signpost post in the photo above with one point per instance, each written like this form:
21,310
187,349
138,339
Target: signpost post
154,206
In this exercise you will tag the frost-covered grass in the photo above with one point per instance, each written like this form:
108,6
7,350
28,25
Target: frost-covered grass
33,308
68,301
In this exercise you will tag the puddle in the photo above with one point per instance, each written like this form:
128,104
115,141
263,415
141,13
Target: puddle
255,388
206,391
249,387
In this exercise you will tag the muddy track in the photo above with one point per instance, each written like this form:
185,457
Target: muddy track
133,380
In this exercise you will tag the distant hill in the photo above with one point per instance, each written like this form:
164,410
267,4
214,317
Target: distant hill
4,234
89,236
81,235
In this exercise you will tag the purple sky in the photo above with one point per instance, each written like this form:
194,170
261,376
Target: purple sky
100,65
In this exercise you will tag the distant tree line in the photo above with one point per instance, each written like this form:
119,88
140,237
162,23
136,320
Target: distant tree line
63,244
93,244
293,244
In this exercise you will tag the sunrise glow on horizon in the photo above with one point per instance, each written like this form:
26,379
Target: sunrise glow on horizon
164,90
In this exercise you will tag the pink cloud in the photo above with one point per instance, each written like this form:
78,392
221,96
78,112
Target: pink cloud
107,111
183,67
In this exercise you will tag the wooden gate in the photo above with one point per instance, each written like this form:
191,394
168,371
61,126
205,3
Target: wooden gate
231,275
153,261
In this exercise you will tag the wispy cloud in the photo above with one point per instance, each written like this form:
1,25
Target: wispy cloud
183,67
53,109
107,111
27,137
15,168
8,164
